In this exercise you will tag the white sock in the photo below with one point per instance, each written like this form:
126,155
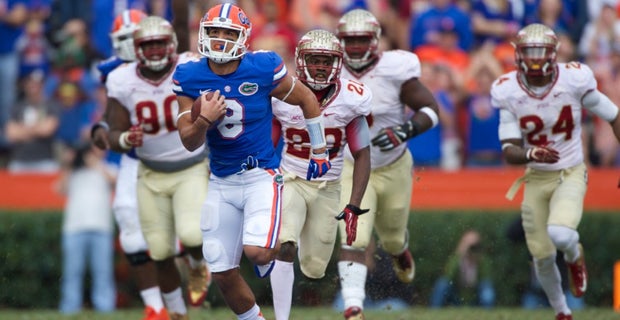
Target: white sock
550,280
174,301
282,278
352,281
152,298
252,314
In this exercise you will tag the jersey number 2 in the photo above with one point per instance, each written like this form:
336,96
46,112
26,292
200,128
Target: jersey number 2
564,124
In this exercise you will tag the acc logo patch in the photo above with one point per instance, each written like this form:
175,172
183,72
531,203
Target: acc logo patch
248,89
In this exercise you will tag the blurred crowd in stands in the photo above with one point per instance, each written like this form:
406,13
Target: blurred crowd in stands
51,94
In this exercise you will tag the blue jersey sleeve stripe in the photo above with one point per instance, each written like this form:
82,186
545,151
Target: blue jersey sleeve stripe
279,72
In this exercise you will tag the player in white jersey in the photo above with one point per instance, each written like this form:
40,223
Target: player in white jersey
541,105
393,78
172,182
309,209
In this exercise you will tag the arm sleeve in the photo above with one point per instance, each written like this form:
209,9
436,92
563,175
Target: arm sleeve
358,134
508,126
600,104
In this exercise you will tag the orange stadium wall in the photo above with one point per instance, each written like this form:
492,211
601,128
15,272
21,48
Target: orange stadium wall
467,189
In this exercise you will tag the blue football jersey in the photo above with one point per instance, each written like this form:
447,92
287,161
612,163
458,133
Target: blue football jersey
245,130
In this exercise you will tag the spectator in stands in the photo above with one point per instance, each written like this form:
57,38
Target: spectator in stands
605,150
34,49
479,126
598,38
568,16
13,16
274,33
493,21
87,231
441,14
467,276
31,129
305,15
77,112
438,147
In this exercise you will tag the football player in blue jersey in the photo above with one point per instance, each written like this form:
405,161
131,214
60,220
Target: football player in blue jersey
241,214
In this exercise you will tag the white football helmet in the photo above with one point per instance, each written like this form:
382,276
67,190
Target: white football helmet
150,29
122,33
226,16
318,43
536,48
363,24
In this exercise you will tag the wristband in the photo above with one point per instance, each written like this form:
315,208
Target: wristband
122,140
316,132
431,114
528,154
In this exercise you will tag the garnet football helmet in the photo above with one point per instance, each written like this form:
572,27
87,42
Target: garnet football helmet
225,16
359,23
318,43
536,48
153,29
122,33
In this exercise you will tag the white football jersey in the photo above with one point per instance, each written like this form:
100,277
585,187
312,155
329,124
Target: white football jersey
154,105
554,119
385,80
350,101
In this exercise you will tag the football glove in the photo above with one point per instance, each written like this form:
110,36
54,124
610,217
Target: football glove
391,137
542,155
349,214
318,166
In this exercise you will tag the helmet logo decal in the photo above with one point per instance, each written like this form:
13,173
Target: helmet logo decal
243,19
248,89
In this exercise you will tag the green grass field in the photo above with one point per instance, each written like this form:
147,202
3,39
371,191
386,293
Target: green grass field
324,313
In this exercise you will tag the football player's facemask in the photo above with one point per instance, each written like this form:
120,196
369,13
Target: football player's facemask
318,59
223,34
536,49
155,43
359,33
122,33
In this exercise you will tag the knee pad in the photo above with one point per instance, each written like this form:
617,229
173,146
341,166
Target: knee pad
563,237
395,245
313,268
138,258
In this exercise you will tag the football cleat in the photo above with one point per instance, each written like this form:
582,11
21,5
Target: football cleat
578,275
404,266
198,282
151,314
353,313
264,271
562,316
